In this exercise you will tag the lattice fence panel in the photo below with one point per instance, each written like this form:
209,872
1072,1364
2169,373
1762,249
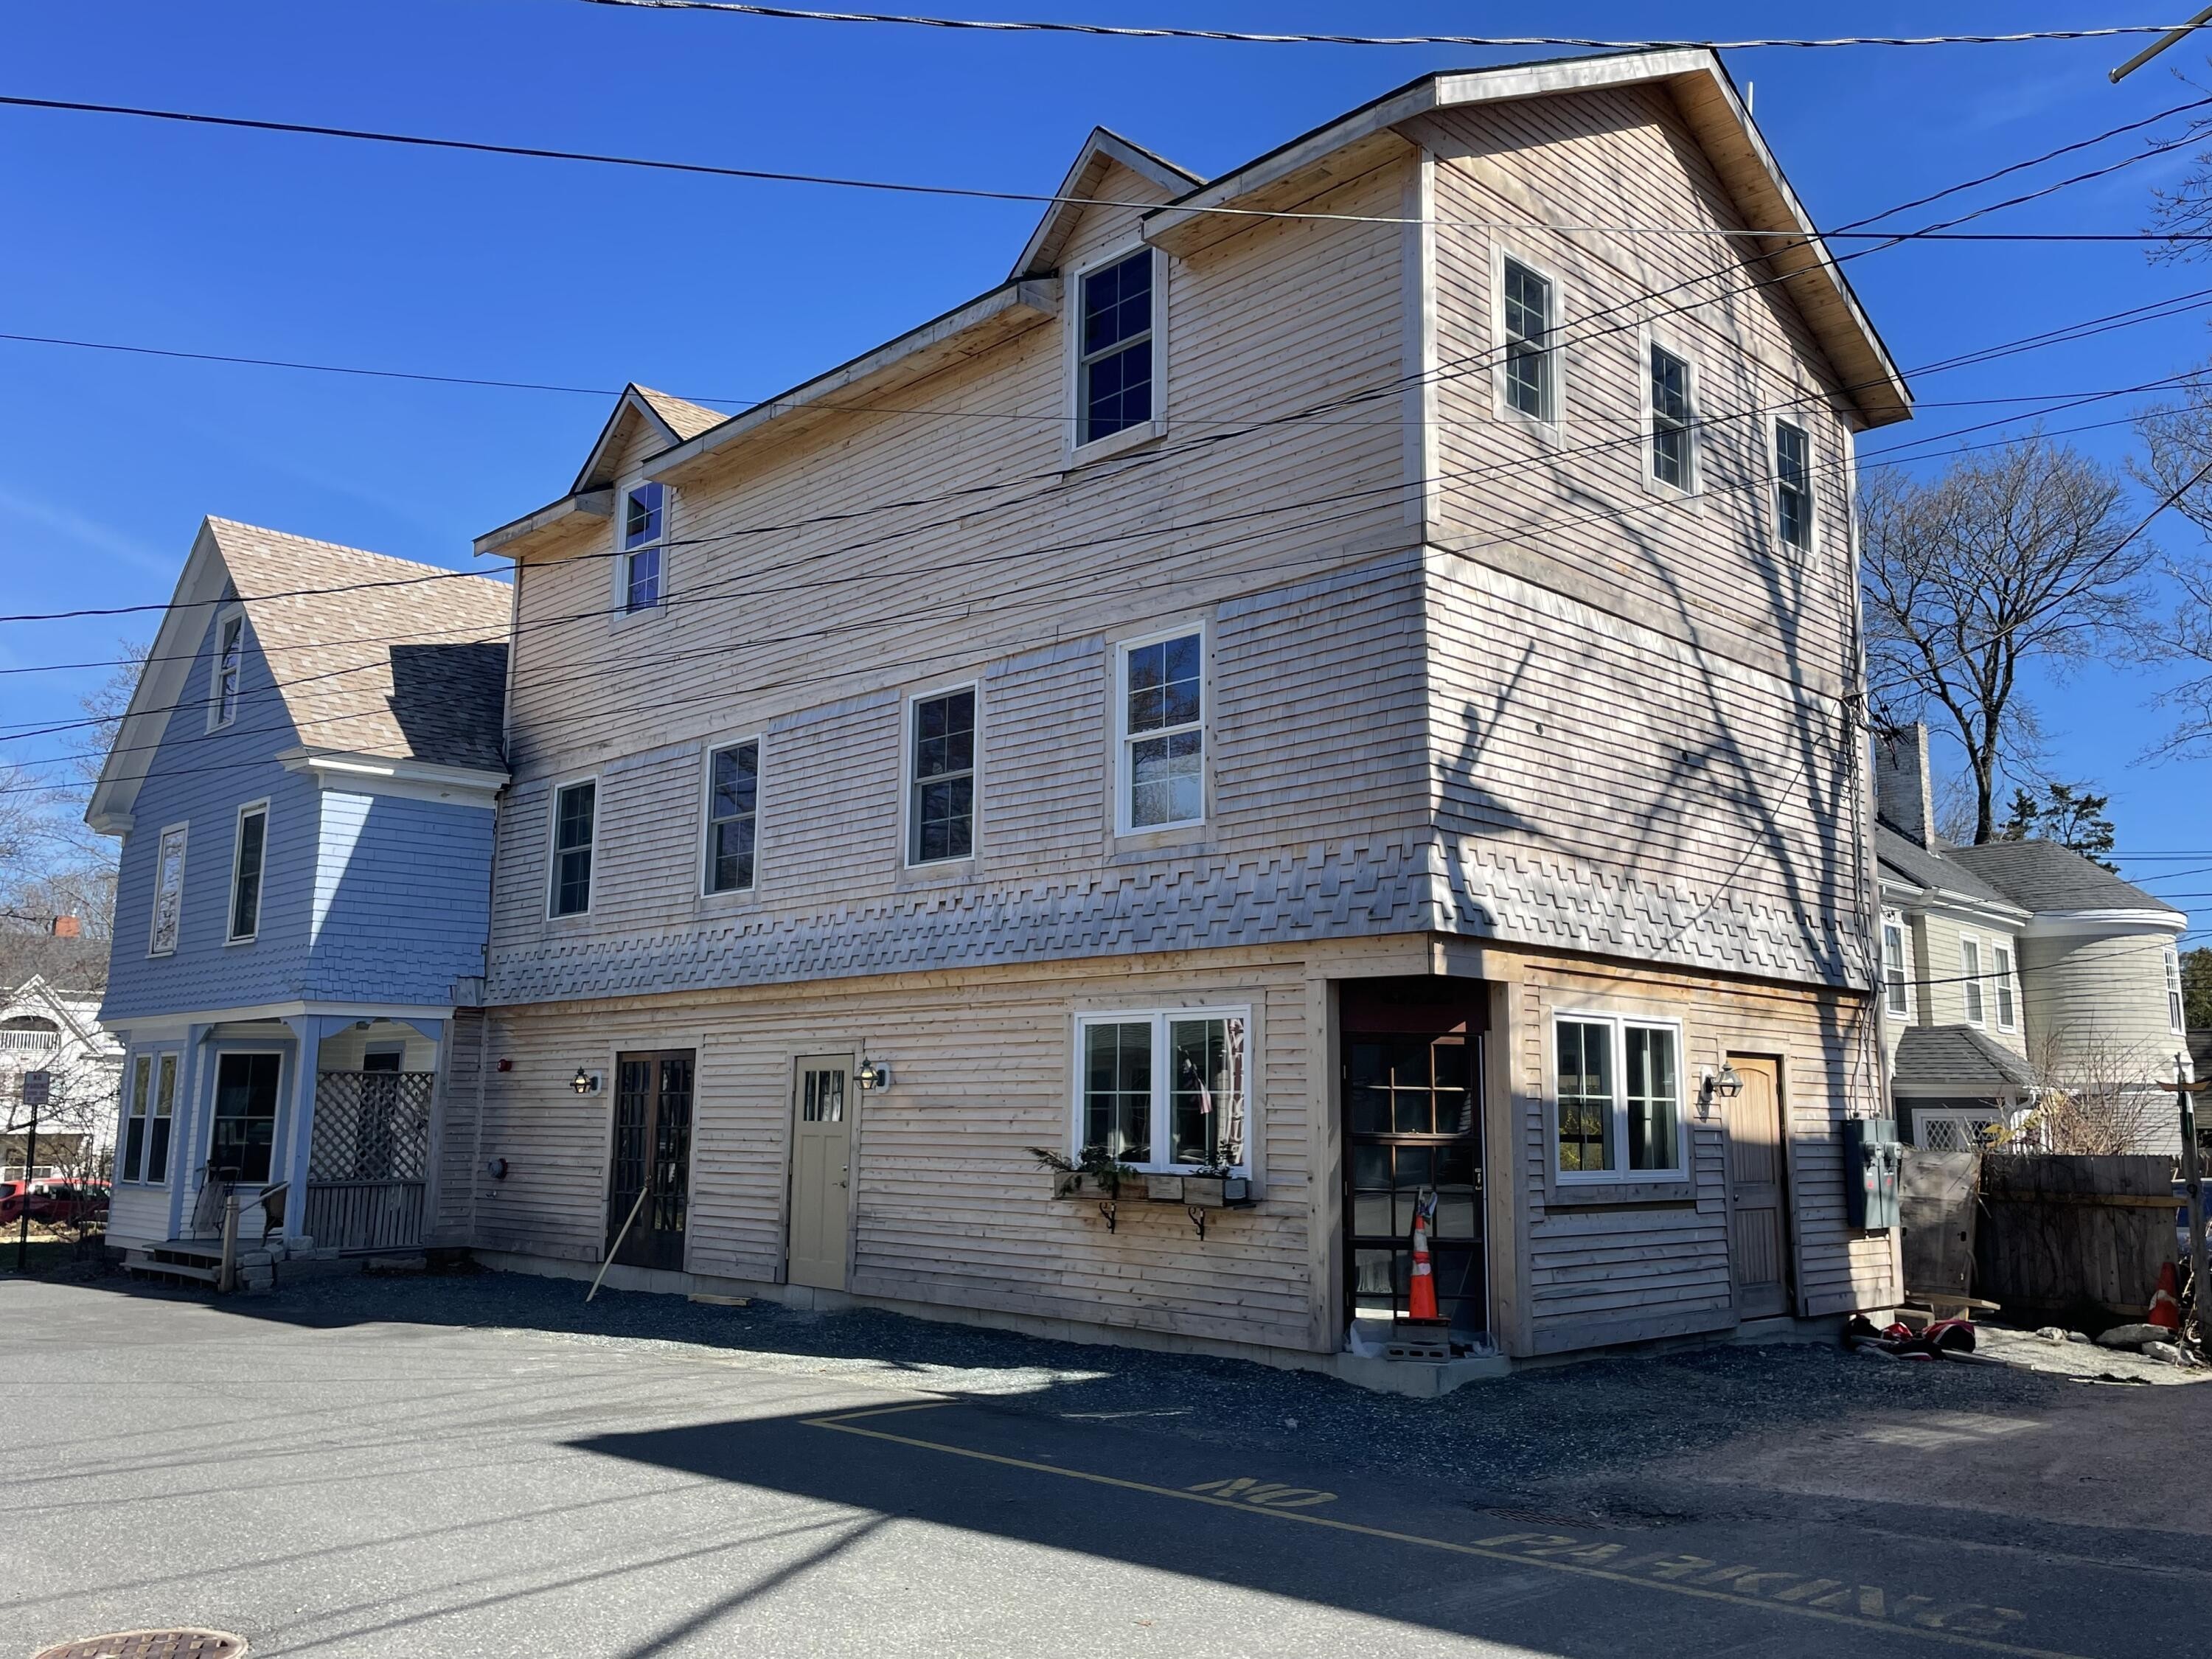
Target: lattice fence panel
371,1125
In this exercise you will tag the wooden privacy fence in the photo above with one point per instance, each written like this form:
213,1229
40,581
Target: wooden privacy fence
2059,1235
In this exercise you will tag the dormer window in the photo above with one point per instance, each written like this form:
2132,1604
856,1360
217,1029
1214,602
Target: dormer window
1113,367
230,666
644,538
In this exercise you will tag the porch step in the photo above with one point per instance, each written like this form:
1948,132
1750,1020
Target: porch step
166,1261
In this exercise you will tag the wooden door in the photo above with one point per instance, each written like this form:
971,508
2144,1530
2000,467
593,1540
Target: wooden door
652,1156
821,1169
1759,1189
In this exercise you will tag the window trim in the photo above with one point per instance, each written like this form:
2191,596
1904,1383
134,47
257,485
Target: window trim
1161,1016
1649,340
1619,1174
1076,451
1973,999
622,611
251,809
1899,991
709,750
1552,423
154,947
553,847
909,828
2176,993
138,1114
217,718
2006,988
214,1076
1776,421
1122,773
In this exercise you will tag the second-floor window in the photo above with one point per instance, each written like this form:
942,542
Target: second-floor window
252,851
575,807
941,777
644,538
2176,1004
1793,485
229,667
1527,316
1163,732
168,892
1970,980
1895,973
2000,970
733,812
1114,389
1673,462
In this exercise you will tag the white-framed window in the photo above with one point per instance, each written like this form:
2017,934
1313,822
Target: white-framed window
249,853
1970,980
1118,358
940,776
150,1113
1160,715
134,1109
1528,313
2176,1004
1670,409
576,831
644,546
1896,965
732,815
2000,983
228,671
1793,485
1165,1088
168,892
1619,1106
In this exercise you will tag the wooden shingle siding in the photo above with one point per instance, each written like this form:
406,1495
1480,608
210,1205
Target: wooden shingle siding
459,1171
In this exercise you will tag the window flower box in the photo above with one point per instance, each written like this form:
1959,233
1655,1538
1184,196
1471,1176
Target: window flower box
1217,1192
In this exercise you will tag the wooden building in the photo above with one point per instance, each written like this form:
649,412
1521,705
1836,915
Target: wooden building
1342,675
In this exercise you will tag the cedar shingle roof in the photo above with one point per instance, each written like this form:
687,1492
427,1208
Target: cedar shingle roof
395,665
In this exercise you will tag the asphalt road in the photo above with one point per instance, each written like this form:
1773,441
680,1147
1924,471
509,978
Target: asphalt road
391,1488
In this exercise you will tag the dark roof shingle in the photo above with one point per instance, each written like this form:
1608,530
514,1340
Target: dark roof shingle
2044,876
1960,1055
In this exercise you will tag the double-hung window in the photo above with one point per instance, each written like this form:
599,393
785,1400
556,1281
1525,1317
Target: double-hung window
247,858
150,1113
575,811
732,815
2001,969
134,1121
1673,461
2176,1006
1896,975
1114,358
168,893
1526,315
644,541
1619,1097
1793,485
229,669
1163,706
941,777
1970,980
1164,1090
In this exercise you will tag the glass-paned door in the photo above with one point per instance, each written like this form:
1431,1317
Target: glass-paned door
1413,1119
652,1154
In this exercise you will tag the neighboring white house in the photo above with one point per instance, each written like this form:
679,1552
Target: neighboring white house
46,1029
2018,974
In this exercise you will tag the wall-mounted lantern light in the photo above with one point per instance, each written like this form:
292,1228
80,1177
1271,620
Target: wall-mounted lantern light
872,1074
1725,1084
585,1083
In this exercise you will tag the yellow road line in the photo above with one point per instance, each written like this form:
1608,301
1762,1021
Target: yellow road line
843,1423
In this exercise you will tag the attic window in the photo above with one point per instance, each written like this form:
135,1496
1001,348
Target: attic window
1672,462
230,662
644,534
1115,364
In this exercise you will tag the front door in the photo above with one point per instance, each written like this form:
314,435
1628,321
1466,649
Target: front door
821,1169
652,1156
245,1117
1760,1180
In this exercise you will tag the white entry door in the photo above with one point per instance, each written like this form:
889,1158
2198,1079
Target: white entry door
821,1169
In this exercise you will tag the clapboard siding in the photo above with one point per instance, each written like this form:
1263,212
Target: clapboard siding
2097,1005
1940,998
949,1207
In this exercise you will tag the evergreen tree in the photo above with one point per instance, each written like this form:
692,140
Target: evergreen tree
2069,815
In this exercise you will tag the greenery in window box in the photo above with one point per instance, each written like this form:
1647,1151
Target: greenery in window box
1096,1173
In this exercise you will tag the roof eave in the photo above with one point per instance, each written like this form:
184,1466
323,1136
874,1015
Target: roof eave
502,542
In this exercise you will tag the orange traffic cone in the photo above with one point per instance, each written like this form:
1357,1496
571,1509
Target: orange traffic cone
2165,1302
1421,1294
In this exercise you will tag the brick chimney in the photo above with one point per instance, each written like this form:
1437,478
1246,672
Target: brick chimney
67,927
1904,798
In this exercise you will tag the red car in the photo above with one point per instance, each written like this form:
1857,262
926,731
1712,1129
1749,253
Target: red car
55,1204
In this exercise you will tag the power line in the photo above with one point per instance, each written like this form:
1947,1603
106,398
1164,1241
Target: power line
1122,31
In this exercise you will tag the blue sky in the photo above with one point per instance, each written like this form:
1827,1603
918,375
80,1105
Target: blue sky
144,233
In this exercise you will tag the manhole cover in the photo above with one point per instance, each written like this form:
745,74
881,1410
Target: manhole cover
150,1644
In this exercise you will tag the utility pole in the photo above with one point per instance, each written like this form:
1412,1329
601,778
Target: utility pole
37,1086
2159,45
2193,1178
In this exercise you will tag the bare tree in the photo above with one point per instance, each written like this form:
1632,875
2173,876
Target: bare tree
2177,463
2094,1095
2021,557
